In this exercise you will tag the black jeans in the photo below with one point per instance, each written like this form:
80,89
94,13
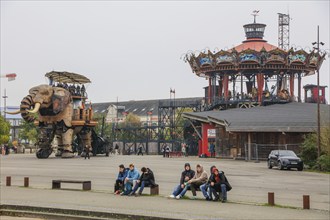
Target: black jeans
194,186
119,185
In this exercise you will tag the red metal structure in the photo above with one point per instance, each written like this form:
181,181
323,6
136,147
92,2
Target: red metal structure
311,93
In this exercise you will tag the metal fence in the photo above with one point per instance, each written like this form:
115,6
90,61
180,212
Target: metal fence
261,151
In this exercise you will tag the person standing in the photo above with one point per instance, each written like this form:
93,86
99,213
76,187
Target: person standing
167,151
212,149
183,149
87,152
140,150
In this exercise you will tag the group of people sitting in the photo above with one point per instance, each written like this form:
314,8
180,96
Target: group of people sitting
216,185
129,180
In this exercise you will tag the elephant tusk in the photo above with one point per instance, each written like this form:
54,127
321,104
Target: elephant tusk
14,113
36,108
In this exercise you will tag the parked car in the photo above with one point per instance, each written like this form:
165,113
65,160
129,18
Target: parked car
284,159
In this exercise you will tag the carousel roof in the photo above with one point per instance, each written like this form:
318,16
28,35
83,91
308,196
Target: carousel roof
255,55
255,44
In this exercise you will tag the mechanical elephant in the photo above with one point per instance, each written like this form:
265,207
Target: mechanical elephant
51,108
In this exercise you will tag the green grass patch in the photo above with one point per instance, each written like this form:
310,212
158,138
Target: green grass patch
280,206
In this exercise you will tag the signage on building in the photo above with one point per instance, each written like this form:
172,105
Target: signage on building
210,133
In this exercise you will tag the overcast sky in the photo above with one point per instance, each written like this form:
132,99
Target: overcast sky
132,49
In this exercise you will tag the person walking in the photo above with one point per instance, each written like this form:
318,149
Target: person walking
140,150
87,152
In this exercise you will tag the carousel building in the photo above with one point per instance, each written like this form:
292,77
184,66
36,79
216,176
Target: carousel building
273,116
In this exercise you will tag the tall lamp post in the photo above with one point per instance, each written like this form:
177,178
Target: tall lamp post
10,77
317,48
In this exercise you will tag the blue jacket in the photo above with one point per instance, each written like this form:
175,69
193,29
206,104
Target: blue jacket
133,175
122,175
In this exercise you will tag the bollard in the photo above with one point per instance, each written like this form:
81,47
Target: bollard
306,203
271,199
8,181
26,181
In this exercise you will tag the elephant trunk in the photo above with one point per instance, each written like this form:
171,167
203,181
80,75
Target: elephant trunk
25,106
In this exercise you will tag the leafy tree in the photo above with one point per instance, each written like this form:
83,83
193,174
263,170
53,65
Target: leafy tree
309,150
28,132
132,120
4,130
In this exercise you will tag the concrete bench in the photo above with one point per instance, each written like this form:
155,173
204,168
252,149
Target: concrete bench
153,190
86,185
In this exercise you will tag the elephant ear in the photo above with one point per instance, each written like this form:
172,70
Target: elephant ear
60,99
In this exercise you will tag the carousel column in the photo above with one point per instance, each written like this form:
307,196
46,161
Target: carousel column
292,86
234,84
214,88
260,82
225,86
242,86
220,88
299,87
209,91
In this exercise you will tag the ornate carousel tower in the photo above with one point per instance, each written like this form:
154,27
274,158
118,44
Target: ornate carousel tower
254,72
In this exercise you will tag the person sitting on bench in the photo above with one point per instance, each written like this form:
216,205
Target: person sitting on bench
119,185
182,188
147,178
132,176
199,179
219,183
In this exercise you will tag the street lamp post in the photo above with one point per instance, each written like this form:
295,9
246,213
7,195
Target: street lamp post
10,77
5,103
318,95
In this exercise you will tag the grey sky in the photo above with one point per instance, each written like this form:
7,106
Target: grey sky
132,49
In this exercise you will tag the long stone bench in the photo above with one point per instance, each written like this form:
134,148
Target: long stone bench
86,185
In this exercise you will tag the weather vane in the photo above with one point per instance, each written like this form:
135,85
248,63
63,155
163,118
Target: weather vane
255,14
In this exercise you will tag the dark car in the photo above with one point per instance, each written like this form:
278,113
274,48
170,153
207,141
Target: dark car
284,159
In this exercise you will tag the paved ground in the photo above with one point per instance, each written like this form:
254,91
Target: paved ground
251,182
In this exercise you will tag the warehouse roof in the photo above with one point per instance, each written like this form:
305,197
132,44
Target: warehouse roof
291,117
141,107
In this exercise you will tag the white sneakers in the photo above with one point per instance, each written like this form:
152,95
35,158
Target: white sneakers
175,197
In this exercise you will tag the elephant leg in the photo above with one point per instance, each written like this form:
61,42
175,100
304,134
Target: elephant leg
45,138
59,145
67,144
